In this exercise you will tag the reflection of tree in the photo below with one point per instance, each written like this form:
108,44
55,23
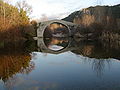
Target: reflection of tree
96,53
87,50
10,83
12,64
96,49
98,65
13,60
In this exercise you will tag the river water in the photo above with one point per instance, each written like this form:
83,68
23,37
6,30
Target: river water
59,64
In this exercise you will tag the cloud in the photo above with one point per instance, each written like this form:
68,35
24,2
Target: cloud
41,7
45,17
59,9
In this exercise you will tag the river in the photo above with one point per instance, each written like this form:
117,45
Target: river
59,64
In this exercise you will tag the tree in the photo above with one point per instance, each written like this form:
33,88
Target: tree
13,19
23,6
24,11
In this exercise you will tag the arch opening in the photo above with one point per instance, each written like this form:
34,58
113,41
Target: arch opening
56,29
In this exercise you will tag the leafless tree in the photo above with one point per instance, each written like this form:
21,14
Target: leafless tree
22,5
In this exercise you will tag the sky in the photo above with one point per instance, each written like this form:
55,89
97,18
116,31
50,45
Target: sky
57,9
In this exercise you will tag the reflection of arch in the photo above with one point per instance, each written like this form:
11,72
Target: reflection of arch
55,41
43,48
43,26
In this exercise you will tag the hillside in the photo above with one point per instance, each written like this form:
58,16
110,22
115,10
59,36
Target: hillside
105,15
99,22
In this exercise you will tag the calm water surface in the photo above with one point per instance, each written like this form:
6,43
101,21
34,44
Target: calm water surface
59,64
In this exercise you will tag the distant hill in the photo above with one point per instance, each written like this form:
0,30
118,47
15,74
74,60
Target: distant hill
105,15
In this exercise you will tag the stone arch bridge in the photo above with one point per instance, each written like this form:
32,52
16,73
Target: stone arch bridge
43,25
40,35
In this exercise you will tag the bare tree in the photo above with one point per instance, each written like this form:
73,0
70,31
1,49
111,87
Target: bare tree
99,2
22,5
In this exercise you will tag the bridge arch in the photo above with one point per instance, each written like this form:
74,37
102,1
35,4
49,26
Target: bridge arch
43,25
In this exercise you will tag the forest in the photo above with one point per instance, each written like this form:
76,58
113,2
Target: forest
13,19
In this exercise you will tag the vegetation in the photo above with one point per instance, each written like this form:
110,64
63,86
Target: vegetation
100,21
14,59
97,14
13,20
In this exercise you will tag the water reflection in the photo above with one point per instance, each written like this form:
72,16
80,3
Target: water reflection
97,52
99,65
88,48
69,56
14,60
56,44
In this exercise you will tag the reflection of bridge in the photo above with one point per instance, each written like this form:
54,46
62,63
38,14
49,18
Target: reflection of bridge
43,48
86,48
43,25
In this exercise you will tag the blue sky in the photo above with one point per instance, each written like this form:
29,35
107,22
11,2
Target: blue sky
57,9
